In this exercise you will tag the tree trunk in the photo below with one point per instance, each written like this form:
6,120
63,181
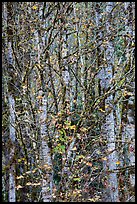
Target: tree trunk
11,88
47,181
112,158
12,197
129,104
81,59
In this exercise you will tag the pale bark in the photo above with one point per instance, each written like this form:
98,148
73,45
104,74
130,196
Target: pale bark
81,58
111,137
47,175
100,83
56,86
12,192
129,129
47,181
12,197
66,75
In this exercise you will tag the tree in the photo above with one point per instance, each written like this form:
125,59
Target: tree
68,101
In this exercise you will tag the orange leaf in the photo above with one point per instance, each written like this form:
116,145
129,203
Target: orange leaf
39,97
89,164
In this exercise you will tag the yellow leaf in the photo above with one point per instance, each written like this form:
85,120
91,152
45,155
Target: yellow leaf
83,129
19,160
101,110
24,87
73,127
34,170
96,198
34,7
91,24
118,162
85,26
28,184
128,35
36,184
19,186
46,166
19,177
40,111
105,42
28,172
39,97
74,148
133,44
125,93
91,199
38,65
104,159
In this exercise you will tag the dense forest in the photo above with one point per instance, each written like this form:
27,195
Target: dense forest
68,101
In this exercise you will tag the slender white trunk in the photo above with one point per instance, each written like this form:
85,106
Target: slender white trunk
111,137
129,130
100,81
11,101
47,181
12,197
81,58
12,193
